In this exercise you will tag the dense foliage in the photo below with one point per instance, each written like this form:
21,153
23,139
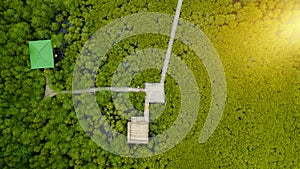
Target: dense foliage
258,43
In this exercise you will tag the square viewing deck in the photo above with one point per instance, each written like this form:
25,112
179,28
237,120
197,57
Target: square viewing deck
155,92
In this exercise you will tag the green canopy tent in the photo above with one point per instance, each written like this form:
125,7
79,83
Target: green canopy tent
41,55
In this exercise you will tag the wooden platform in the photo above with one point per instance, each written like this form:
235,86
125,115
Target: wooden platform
138,127
138,132
155,92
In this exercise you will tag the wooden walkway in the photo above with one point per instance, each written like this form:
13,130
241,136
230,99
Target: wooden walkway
138,127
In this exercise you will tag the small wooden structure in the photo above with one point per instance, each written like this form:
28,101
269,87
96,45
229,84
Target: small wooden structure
138,127
138,131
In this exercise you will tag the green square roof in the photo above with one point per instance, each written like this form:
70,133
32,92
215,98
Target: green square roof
41,55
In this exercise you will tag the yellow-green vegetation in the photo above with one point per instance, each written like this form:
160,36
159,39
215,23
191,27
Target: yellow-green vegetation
257,41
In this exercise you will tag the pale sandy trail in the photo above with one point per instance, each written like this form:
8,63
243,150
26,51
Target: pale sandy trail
171,41
97,89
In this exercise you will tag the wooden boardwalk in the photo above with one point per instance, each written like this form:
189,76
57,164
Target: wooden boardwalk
138,127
